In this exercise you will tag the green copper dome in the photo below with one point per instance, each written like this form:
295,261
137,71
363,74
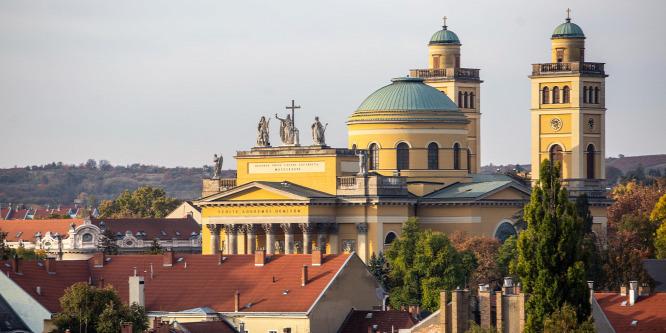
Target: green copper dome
568,30
444,37
408,99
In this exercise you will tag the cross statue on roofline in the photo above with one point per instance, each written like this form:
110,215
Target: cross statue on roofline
293,107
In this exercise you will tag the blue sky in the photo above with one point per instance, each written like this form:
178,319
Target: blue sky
173,82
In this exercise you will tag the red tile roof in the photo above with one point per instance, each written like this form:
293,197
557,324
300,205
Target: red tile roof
648,311
205,283
30,227
386,321
209,327
52,285
202,283
4,212
19,214
153,227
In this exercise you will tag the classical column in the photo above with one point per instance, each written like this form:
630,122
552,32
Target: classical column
307,237
288,238
214,237
321,236
251,233
270,238
333,239
362,246
230,231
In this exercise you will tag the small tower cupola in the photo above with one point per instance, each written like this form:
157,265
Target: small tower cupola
444,49
568,42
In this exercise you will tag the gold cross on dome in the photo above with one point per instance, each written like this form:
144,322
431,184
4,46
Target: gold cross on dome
568,11
444,20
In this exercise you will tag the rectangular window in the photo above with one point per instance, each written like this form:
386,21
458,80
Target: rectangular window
435,61
457,65
560,55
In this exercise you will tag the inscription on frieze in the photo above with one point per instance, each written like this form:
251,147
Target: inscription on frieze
286,167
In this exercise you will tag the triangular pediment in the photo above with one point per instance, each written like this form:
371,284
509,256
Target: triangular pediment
266,191
507,193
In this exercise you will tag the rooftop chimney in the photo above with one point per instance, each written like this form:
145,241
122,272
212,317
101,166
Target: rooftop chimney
101,283
126,328
137,291
507,288
316,257
260,257
167,258
99,258
50,264
590,284
414,310
304,277
16,265
236,301
633,292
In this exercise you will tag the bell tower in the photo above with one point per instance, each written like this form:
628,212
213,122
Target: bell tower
569,112
461,85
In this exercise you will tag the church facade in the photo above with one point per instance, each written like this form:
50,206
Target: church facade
413,151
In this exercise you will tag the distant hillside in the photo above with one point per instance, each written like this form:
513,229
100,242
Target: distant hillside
615,166
88,183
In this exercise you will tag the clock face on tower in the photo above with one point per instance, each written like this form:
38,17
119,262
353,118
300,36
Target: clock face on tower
591,124
556,124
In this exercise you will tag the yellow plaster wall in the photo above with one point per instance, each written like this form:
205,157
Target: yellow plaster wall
566,123
256,194
571,48
322,181
507,194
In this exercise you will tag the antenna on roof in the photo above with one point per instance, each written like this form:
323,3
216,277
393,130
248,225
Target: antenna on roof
134,270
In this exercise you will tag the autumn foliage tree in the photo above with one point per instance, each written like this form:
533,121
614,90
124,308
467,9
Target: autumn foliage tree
485,249
549,263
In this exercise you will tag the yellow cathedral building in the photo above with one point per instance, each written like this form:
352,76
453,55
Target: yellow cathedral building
413,151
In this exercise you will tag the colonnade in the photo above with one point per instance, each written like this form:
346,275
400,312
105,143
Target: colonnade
317,233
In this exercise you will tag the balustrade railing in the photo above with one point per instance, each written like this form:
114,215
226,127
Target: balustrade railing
469,73
568,68
346,181
228,182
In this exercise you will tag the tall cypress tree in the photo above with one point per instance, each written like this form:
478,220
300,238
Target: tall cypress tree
549,262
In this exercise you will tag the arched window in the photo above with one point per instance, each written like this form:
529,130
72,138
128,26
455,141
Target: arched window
469,160
374,156
566,95
460,99
471,100
87,237
466,100
402,156
433,156
504,231
556,95
585,94
545,96
456,156
390,237
590,96
590,161
555,154
596,95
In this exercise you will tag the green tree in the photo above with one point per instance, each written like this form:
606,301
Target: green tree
4,250
155,247
565,319
89,309
379,268
145,202
660,242
108,242
623,261
423,263
507,255
549,262
583,211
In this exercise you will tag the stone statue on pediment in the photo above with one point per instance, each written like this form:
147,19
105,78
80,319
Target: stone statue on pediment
318,132
362,163
217,166
262,138
288,133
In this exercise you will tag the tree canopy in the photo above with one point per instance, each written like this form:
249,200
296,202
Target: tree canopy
90,309
549,262
145,202
423,263
108,242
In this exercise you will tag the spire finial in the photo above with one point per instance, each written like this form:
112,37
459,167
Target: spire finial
568,11
444,22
